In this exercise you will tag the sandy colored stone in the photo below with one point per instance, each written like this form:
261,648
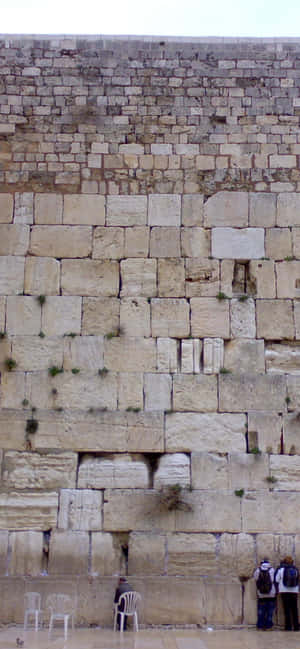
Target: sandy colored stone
118,471
135,509
164,242
90,277
262,210
226,276
213,355
122,354
233,243
33,353
42,276
23,211
296,242
137,241
172,469
259,510
106,554
283,358
288,209
264,431
167,355
243,392
13,389
226,209
23,315
82,390
242,318
236,555
195,242
130,390
202,277
262,278
248,471
135,316
192,209
11,275
83,352
157,391
275,546
6,208
68,553
146,553
285,470
209,317
291,443
101,315
26,553
14,239
12,425
34,471
27,511
209,470
296,306
245,356
164,209
274,319
138,277
279,243
80,509
61,315
48,209
170,317
2,312
84,209
126,210
288,279
171,278
211,511
108,243
3,551
195,393
191,350
61,241
191,554
211,432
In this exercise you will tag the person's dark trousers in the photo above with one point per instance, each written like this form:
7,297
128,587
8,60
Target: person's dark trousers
265,610
119,622
290,609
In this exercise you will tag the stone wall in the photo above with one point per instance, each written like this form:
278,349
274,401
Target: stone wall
149,321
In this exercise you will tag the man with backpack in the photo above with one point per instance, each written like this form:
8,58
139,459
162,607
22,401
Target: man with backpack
287,578
266,595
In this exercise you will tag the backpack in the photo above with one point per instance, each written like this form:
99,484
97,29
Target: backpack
290,576
264,582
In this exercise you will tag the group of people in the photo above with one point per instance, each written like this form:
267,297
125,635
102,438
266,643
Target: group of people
285,581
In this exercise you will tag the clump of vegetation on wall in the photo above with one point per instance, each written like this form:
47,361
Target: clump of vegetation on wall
171,498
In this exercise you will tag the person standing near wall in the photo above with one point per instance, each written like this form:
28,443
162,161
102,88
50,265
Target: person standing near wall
287,578
123,587
266,595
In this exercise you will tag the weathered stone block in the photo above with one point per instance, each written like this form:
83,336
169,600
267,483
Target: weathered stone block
192,210
202,277
135,317
106,554
26,553
80,509
3,551
190,356
291,443
192,554
209,471
171,278
137,241
231,243
61,241
262,210
157,391
264,431
227,267
236,555
115,472
209,318
164,209
48,209
248,471
84,209
226,209
138,277
135,509
6,208
288,279
288,209
279,243
213,355
81,391
211,432
165,242
90,277
68,553
61,315
126,210
11,275
42,276
172,469
283,358
14,239
275,319
245,356
211,511
27,511
242,318
83,352
2,312
296,243
23,315
130,354
34,471
251,392
285,470
23,212
167,355
146,554
195,393
130,390
108,243
262,278
13,390
259,510
170,317
101,315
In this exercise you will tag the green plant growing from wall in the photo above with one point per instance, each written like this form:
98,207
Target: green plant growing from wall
114,334
10,364
41,334
41,299
75,370
224,370
32,425
255,450
54,370
239,493
2,335
132,409
243,298
25,403
103,371
222,296
271,479
171,498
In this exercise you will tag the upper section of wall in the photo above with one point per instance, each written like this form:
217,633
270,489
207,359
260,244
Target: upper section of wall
126,115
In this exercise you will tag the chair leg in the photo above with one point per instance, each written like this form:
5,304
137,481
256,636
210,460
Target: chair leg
115,620
50,624
66,619
25,621
135,622
122,616
36,615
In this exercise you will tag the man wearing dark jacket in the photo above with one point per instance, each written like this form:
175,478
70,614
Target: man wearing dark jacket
266,601
123,587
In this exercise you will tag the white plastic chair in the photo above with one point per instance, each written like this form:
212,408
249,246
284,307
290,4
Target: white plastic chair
32,608
61,608
131,600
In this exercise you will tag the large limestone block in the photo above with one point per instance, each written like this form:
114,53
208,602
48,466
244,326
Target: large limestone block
251,392
262,278
81,391
135,316
286,471
262,209
61,241
89,277
108,243
226,209
80,509
23,212
27,511
3,551
11,275
165,242
26,553
137,241
202,277
296,305
195,242
146,554
209,317
6,208
231,243
98,430
288,209
288,279
48,209
227,272
275,546
248,471
12,426
291,443
170,317
83,352
138,277
13,589
209,471
244,356
13,389
212,511
283,358
42,276
115,472
130,354
68,553
171,278
192,210
261,509
279,243
23,315
242,319
101,315
106,554
14,239
167,355
264,431
214,433
172,469
84,209
135,509
191,350
213,355
127,210
35,471
196,393
275,319
236,556
2,312
157,391
191,554
61,315
130,390
296,243
164,209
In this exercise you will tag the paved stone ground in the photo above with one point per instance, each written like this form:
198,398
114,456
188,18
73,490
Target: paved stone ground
151,639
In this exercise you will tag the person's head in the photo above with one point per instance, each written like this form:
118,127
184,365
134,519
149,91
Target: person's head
288,560
122,580
265,560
